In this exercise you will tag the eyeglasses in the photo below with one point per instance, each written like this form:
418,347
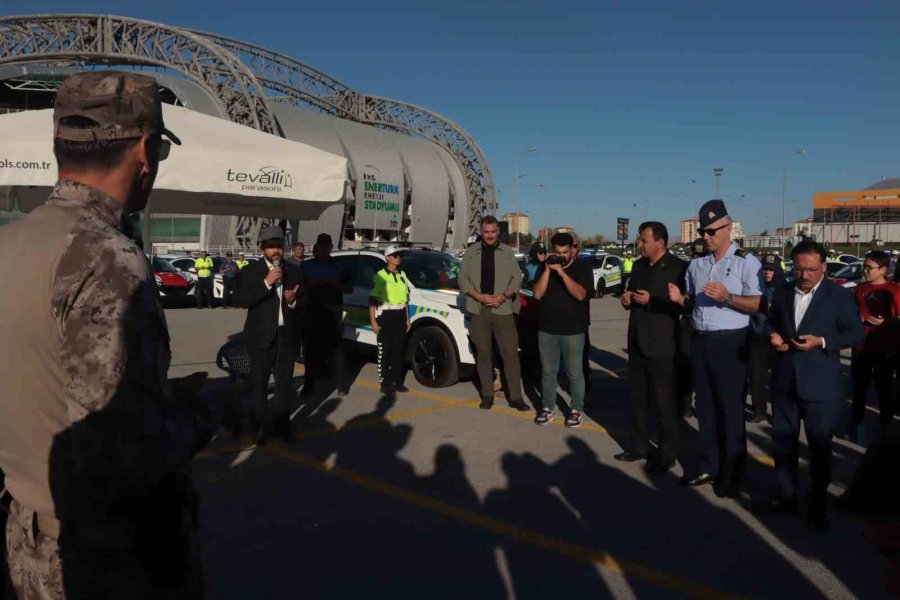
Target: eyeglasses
711,231
805,270
872,267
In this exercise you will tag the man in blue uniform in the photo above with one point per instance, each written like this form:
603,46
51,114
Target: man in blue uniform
723,289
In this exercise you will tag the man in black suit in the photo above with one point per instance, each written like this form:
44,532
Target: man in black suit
268,289
811,321
652,343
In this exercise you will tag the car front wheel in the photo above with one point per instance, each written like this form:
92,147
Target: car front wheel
432,357
601,288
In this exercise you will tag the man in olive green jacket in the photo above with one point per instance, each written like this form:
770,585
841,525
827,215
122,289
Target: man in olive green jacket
490,278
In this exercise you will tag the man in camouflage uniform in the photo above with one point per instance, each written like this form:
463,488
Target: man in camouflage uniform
95,442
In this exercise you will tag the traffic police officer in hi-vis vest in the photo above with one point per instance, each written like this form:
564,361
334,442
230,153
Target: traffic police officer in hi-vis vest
723,289
204,267
389,317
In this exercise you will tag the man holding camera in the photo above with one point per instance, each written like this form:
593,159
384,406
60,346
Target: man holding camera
562,287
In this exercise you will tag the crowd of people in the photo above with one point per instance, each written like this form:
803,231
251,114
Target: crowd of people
96,440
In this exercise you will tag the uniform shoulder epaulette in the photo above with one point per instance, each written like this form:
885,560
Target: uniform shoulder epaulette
741,253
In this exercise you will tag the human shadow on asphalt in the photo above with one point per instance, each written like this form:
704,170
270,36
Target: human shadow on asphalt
842,550
292,532
529,503
672,529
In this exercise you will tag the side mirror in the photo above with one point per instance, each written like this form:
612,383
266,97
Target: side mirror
192,270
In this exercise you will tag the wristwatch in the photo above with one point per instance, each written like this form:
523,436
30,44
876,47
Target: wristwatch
729,300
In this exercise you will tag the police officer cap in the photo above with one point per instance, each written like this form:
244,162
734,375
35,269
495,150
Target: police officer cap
770,262
271,233
113,105
711,212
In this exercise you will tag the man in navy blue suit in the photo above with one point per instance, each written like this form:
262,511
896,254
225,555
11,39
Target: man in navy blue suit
811,320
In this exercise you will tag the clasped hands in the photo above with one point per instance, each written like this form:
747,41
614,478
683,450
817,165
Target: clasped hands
802,343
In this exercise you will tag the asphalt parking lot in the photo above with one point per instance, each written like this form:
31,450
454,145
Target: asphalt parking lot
426,495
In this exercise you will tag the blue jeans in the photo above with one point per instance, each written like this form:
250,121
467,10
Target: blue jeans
570,348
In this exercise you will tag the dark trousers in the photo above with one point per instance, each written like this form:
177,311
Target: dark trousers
865,367
229,288
280,358
819,421
487,327
299,324
719,365
205,291
391,342
652,385
683,369
761,355
323,331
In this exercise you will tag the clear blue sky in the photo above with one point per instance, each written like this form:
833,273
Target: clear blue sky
626,101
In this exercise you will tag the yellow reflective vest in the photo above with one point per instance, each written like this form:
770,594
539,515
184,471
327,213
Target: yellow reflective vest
242,263
628,263
204,266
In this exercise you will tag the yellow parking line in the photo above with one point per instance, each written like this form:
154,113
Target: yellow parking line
549,543
458,402
392,417
397,416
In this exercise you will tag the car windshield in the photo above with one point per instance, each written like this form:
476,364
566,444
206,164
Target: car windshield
162,265
431,270
850,272
831,269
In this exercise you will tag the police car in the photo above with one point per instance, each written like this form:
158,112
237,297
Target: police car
607,270
438,347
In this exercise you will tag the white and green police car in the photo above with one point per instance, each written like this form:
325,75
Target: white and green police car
438,344
607,270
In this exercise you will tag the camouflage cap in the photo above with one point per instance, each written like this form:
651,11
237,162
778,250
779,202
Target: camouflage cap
123,105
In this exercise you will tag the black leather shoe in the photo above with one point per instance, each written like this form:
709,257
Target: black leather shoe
401,388
486,404
758,419
701,479
783,506
519,405
630,456
659,466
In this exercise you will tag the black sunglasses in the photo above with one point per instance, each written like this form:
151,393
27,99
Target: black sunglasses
711,231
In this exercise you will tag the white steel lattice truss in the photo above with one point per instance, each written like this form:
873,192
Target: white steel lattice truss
244,78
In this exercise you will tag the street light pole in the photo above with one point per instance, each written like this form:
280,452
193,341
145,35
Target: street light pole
799,152
696,197
718,173
518,220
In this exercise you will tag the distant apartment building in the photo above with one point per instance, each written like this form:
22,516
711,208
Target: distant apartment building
689,230
518,222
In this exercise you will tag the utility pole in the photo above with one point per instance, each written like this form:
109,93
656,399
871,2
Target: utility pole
718,173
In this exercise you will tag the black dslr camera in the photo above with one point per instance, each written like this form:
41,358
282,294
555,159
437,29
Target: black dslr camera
556,259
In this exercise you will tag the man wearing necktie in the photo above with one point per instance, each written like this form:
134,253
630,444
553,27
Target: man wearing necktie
268,290
810,322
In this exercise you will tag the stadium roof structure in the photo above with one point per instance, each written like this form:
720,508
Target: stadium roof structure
878,202
244,82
